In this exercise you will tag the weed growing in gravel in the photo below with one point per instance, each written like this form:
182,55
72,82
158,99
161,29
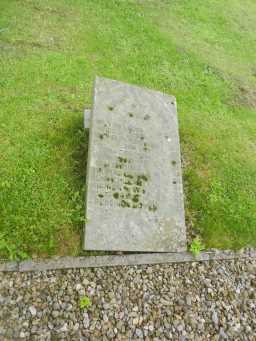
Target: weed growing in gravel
196,246
85,302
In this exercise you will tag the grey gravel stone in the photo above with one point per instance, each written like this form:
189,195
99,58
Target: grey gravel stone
55,314
22,335
139,333
215,319
188,300
32,310
86,320
156,302
63,328
223,335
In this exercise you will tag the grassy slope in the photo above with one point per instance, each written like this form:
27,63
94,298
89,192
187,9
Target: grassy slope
203,52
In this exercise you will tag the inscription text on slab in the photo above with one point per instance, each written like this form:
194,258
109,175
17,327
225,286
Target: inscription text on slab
134,186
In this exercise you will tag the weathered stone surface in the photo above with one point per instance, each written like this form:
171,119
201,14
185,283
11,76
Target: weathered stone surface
134,183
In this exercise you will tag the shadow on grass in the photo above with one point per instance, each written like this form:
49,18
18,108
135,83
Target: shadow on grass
80,153
70,140
79,156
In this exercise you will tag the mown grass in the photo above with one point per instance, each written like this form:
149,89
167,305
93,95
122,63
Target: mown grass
203,52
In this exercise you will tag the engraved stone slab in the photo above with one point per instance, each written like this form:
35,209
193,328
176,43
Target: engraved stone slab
134,183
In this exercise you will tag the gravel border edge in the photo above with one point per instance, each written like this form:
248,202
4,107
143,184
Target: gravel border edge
58,263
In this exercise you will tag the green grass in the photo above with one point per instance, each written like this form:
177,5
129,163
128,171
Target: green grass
203,52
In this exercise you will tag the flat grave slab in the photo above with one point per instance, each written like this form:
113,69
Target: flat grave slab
134,183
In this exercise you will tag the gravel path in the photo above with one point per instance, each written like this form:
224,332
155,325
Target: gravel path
190,301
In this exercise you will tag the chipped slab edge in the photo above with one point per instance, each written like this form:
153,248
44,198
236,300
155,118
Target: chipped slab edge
60,263
87,118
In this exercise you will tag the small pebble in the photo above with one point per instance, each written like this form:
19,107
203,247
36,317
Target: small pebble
32,310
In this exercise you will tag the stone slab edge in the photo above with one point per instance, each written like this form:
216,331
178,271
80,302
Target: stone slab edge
87,118
59,263
9,266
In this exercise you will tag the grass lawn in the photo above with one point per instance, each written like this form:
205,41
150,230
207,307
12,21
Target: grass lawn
201,51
